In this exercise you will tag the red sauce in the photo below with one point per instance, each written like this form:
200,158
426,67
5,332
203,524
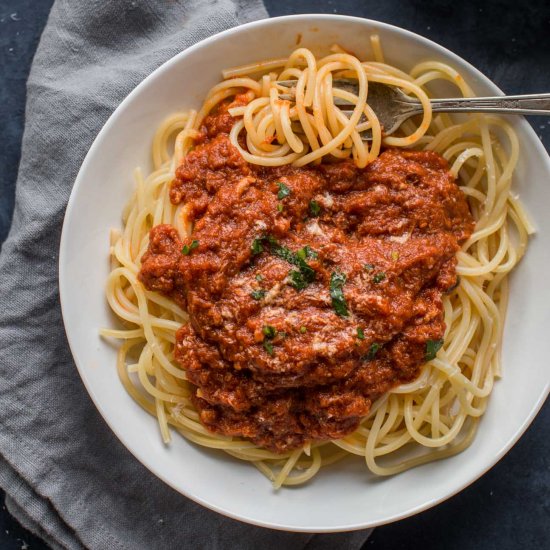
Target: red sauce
393,229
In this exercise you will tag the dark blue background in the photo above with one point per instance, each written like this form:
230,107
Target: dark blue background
509,507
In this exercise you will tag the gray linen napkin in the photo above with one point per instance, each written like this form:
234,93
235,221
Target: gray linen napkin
66,476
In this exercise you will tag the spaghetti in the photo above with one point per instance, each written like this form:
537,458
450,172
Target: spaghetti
434,416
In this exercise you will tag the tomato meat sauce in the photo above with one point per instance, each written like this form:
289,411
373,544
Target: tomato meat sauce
311,291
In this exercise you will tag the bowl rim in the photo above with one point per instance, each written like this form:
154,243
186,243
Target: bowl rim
63,276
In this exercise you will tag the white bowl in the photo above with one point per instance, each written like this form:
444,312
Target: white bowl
344,496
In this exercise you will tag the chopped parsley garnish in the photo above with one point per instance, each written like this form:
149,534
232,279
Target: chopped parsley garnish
258,294
337,281
259,277
314,208
379,277
307,275
373,350
360,333
284,191
310,253
186,250
369,267
257,247
432,347
282,251
301,277
268,346
306,252
269,332
303,330
280,207
298,278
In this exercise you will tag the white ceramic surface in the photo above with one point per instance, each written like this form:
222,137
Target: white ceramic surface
344,496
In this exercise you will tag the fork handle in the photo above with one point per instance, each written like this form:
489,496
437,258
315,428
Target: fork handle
533,104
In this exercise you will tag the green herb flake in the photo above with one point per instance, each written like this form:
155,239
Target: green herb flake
337,281
314,208
395,255
432,347
373,350
282,251
186,250
280,207
310,253
306,252
269,332
258,294
284,191
282,335
301,254
308,273
303,330
256,247
297,279
379,277
259,277
369,267
360,333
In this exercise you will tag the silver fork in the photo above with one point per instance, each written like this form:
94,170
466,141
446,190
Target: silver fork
392,106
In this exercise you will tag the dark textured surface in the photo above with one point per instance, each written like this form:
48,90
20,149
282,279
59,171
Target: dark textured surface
21,22
507,508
